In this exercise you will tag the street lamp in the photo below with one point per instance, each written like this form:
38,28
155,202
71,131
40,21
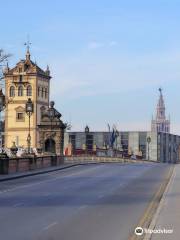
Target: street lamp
29,112
148,142
51,114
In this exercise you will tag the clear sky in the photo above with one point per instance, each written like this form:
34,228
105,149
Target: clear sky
107,58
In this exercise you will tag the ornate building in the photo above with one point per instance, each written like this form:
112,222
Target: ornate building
27,80
160,123
51,131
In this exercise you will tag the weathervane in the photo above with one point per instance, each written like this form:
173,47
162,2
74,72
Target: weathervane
160,90
28,43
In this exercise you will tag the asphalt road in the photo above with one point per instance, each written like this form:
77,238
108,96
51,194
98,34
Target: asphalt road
90,202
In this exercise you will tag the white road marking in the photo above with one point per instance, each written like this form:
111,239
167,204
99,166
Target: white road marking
50,225
82,207
18,204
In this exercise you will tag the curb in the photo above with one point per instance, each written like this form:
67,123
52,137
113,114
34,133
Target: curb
146,220
37,173
157,213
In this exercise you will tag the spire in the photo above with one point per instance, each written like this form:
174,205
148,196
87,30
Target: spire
160,111
27,44
161,100
160,123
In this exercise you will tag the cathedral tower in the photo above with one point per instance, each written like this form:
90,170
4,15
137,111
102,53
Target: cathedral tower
160,123
26,80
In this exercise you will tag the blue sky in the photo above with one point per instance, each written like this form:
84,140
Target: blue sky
107,58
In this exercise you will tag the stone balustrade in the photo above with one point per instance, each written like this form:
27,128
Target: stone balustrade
23,164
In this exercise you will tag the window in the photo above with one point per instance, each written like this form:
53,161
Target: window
29,90
20,78
42,109
42,93
89,142
125,142
19,116
12,91
39,89
46,93
20,91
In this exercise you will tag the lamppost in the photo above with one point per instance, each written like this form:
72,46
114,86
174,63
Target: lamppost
51,113
29,112
148,142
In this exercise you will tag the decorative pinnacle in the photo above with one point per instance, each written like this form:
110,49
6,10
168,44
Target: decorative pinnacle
47,70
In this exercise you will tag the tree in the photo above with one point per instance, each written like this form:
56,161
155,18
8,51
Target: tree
3,58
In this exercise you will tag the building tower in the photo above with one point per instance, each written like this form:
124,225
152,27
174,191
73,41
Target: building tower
26,80
160,123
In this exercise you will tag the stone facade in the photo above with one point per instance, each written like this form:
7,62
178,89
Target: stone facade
51,133
25,80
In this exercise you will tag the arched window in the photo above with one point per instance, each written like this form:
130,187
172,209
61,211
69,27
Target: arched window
42,109
39,89
20,91
46,92
12,91
29,90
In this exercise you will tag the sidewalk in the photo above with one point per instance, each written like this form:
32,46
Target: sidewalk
35,172
168,216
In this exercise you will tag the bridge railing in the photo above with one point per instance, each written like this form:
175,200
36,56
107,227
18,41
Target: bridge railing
23,164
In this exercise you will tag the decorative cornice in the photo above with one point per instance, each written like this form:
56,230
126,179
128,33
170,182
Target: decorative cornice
20,108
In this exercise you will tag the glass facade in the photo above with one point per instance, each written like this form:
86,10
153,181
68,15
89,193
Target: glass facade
163,147
125,142
143,143
89,142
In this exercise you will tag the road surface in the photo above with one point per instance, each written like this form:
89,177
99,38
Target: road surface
87,202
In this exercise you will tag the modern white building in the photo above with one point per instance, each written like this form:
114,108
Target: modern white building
155,146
